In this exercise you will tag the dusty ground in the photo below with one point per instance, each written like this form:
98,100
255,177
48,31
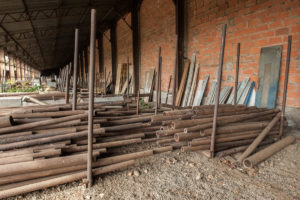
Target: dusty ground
177,175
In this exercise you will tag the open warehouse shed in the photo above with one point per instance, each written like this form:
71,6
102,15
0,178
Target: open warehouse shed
184,99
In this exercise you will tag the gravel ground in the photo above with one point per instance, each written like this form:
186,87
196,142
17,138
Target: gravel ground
176,175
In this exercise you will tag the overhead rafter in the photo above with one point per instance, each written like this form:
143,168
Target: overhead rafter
34,31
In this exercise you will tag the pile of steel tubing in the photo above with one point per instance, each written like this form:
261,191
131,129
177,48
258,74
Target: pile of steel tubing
238,126
46,145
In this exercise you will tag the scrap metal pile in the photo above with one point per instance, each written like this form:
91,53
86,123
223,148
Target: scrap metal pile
46,145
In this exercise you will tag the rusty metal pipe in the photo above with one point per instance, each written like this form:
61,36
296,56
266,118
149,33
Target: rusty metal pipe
91,97
286,81
267,152
259,138
236,72
6,121
219,79
67,95
41,123
75,72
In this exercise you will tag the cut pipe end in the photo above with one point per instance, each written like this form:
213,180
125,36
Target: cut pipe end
247,163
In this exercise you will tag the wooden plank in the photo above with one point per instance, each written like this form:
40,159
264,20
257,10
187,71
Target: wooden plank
197,95
231,97
192,92
183,81
189,82
148,88
202,90
210,93
250,93
269,70
240,90
244,95
118,79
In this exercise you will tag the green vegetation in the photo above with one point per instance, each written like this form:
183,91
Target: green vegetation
21,87
144,105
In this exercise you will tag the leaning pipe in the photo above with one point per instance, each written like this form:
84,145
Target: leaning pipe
267,152
259,138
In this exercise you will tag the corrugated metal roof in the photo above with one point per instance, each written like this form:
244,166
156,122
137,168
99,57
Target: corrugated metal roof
42,32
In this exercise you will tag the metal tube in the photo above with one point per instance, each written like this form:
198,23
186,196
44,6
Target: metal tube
221,58
159,91
267,152
104,77
158,80
138,102
67,84
91,97
237,72
75,70
170,80
127,77
259,138
286,81
175,80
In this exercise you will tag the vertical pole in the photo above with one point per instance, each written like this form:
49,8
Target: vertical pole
159,91
157,81
75,70
67,84
237,73
219,79
127,76
286,81
170,80
175,80
104,77
137,102
91,97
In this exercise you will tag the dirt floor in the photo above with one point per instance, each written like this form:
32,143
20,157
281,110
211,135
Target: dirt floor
177,175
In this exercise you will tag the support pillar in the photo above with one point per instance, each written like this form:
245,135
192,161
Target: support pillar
181,31
113,39
136,47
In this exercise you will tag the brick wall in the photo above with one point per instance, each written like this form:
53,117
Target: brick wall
253,23
124,40
107,52
157,29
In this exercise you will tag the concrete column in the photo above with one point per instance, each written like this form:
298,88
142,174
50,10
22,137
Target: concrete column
11,67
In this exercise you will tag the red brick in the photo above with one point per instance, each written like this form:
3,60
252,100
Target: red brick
276,40
282,31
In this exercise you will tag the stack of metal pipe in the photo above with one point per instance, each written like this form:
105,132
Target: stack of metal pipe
44,146
238,126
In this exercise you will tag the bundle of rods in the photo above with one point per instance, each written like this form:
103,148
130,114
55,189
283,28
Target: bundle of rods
46,145
237,127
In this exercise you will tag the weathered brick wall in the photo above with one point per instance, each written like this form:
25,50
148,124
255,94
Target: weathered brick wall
124,40
107,52
253,23
157,29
